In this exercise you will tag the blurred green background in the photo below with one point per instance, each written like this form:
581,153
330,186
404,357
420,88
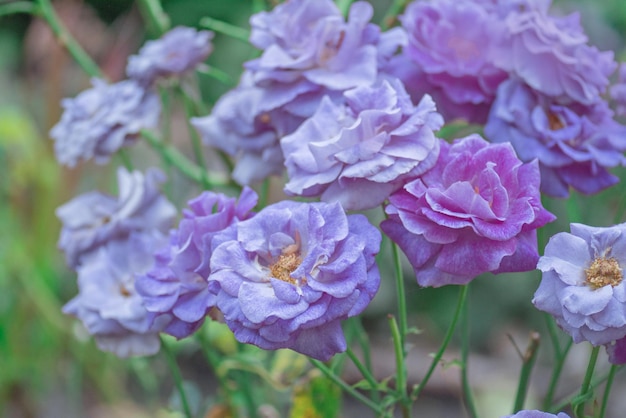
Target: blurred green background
48,366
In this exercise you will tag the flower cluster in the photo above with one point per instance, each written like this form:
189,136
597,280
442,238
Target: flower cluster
573,143
350,112
100,121
476,211
108,241
309,51
530,76
93,218
103,119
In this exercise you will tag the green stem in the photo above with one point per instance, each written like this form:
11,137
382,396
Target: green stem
465,348
365,373
172,156
607,390
125,159
444,344
400,294
400,366
363,342
576,396
579,409
178,379
264,195
217,74
196,142
343,385
225,28
158,20
559,360
65,39
19,7
528,361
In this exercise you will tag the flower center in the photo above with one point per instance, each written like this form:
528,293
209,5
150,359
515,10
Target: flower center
284,266
554,121
602,272
124,291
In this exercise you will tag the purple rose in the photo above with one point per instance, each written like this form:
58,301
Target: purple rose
107,303
551,55
360,152
450,45
177,285
94,218
581,284
290,274
475,211
536,414
574,144
310,40
101,120
178,51
243,125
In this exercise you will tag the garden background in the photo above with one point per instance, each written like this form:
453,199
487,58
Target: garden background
49,367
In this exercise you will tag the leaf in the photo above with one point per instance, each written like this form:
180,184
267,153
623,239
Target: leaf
318,397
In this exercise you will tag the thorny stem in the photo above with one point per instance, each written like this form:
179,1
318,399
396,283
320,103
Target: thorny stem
66,39
446,340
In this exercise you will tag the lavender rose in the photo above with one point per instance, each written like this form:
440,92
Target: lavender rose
94,218
245,125
582,282
310,40
309,51
360,152
475,211
178,51
107,303
551,55
574,144
450,45
101,120
290,274
177,285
